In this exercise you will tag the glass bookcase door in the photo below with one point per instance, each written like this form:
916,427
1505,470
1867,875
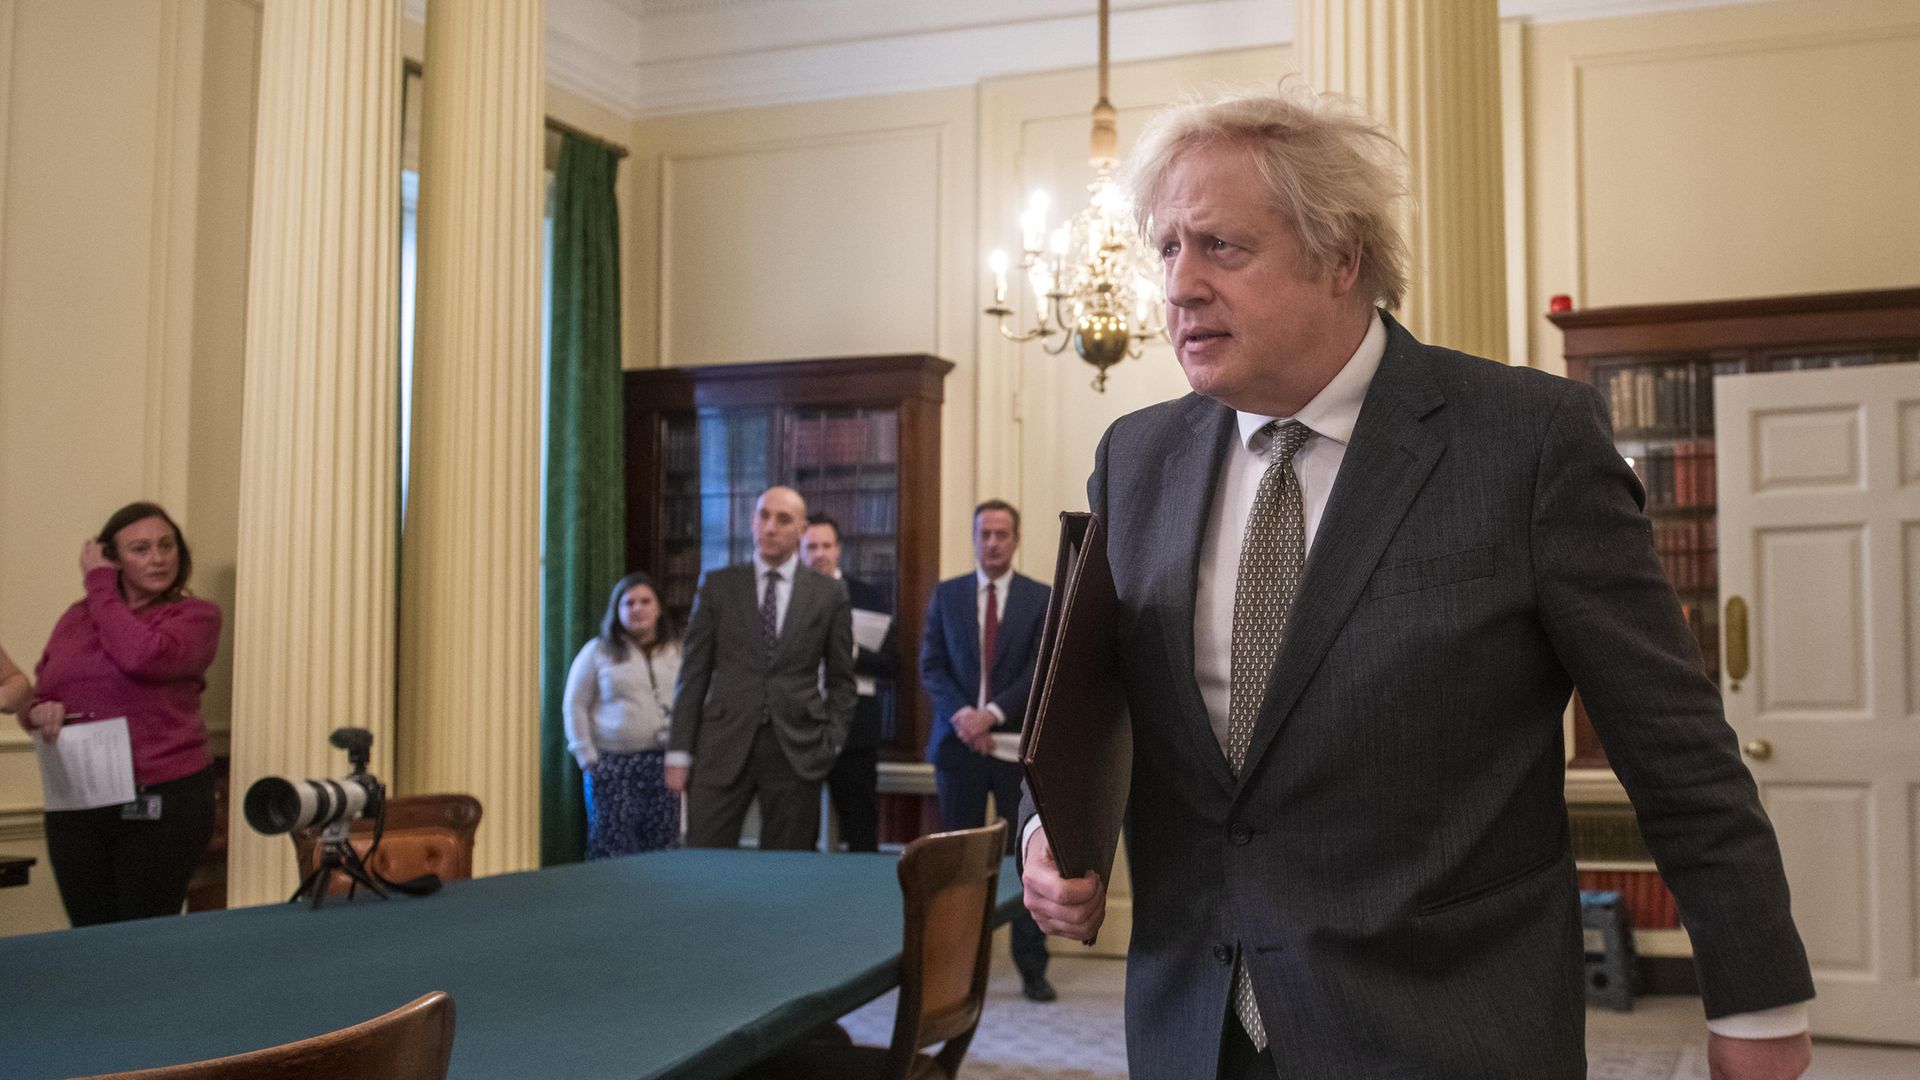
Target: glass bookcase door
1662,415
846,462
736,464
715,462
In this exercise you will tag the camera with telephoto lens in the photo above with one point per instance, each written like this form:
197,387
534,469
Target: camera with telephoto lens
274,805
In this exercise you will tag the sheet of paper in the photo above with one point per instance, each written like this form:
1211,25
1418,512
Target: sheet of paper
870,629
89,765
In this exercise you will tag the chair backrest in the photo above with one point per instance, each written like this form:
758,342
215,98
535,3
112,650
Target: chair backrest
948,882
425,834
413,1042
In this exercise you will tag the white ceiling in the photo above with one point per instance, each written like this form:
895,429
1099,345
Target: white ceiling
648,57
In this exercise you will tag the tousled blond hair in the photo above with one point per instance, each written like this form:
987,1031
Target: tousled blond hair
1337,176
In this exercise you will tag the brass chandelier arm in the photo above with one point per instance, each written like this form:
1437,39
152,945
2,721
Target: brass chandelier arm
1091,282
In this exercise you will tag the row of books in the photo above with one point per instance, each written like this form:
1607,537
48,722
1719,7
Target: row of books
1689,551
1678,475
1672,397
1650,906
870,512
842,440
682,450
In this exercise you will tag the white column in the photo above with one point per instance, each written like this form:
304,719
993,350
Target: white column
469,624
313,617
1430,70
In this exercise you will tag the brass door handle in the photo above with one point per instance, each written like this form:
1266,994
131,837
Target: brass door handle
1736,629
1758,749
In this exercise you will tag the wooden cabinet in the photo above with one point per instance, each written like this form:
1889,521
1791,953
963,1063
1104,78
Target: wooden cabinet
1655,365
858,437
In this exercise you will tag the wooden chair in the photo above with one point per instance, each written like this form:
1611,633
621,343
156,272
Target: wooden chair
413,1042
425,834
949,883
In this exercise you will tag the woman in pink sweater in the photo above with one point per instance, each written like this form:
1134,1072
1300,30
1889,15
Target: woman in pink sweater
137,647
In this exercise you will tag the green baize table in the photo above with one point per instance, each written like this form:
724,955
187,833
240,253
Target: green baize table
673,964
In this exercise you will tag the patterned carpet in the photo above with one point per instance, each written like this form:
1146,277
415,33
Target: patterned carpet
1080,1037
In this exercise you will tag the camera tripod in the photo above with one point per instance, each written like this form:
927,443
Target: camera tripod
337,857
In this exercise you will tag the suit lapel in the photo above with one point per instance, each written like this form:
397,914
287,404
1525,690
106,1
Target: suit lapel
1187,482
1387,462
966,608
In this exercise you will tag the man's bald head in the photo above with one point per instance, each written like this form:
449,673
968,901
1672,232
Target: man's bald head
779,519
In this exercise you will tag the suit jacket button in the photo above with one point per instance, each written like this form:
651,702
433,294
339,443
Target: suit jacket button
1222,953
1239,833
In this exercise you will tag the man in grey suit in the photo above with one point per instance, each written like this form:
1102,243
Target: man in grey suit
1358,578
766,689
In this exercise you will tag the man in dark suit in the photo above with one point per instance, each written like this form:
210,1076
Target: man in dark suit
853,785
766,689
978,709
1358,578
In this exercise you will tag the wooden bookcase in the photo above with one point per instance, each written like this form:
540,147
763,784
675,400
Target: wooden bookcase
858,437
1655,365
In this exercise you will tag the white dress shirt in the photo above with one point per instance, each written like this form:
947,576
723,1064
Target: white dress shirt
782,593
1006,745
1331,416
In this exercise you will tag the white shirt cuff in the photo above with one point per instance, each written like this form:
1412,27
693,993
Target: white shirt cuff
1026,834
1774,1023
678,758
998,716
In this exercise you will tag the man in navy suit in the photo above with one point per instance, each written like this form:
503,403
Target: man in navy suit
975,742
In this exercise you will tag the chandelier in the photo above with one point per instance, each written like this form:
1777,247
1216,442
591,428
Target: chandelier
1094,284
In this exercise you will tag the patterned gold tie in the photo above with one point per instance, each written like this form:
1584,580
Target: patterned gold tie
1272,555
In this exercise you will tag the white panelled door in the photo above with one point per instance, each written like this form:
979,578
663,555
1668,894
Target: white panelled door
1819,484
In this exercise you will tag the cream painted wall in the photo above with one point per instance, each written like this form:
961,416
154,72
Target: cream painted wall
126,146
1721,152
1725,152
126,149
830,229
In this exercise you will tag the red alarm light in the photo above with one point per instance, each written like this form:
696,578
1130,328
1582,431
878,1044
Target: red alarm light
1559,302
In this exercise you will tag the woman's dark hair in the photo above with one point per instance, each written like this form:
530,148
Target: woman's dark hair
614,637
141,511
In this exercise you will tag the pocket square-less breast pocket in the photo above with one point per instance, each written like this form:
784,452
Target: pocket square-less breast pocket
1429,573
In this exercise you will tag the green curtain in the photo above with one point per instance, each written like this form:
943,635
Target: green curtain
586,477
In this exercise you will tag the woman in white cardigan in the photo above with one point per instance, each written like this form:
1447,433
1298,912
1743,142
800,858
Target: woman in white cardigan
618,703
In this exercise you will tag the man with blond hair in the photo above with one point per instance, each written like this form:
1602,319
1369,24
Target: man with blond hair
1359,577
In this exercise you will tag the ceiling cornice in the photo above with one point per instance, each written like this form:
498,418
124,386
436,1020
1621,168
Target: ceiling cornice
652,57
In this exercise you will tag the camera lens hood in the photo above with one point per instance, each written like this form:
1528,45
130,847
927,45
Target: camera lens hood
274,805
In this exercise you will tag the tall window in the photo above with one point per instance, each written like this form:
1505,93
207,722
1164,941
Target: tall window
409,277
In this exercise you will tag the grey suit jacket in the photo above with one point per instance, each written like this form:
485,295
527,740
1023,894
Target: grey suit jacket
1392,864
729,681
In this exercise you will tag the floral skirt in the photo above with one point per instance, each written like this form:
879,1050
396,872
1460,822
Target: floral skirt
629,808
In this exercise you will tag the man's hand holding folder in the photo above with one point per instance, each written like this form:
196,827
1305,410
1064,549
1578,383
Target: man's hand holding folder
1078,741
1066,907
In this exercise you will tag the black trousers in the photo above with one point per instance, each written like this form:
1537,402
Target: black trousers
963,805
854,785
109,869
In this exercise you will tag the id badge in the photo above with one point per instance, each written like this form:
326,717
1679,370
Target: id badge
144,807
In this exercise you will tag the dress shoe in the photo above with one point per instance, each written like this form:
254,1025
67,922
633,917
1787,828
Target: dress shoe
1037,988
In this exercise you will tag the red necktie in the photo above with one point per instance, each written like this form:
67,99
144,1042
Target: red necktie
987,637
